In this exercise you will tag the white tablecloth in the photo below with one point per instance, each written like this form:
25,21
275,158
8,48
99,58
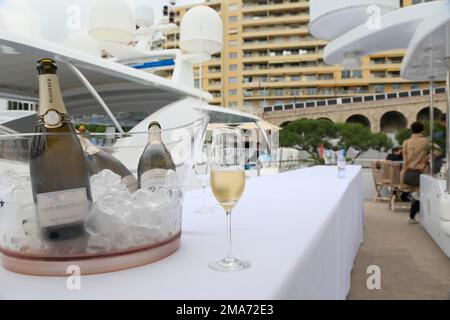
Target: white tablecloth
301,230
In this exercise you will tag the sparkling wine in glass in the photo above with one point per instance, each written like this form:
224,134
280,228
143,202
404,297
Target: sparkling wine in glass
228,184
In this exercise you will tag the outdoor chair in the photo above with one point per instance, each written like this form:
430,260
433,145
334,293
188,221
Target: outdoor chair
381,177
394,186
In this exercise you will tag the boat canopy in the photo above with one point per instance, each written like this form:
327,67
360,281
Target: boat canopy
122,88
425,58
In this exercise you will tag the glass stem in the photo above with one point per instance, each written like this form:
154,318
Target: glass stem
229,255
204,193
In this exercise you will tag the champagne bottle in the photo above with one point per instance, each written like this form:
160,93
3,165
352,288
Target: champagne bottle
155,162
99,160
58,167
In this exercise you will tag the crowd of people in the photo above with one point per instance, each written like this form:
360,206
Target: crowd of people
415,154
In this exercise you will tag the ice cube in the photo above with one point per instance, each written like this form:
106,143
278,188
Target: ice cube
143,216
104,181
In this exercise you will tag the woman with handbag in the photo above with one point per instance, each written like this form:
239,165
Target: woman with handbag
415,162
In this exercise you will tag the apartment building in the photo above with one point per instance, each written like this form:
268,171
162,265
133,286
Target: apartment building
270,58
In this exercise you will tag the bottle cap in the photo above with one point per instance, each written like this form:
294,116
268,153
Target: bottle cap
46,66
154,123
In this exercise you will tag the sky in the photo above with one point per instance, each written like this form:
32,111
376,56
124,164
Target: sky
28,16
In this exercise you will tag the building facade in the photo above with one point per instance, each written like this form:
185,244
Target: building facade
270,58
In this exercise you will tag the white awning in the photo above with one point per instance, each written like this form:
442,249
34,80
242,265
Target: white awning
396,31
123,88
428,48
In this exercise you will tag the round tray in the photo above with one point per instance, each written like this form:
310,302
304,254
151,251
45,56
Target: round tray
58,267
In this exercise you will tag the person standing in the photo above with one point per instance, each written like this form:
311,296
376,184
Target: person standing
439,138
415,162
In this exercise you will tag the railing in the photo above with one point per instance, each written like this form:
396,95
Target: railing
297,15
303,28
293,54
271,3
279,41
350,100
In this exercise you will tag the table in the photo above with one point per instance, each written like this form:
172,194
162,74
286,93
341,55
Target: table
301,230
434,211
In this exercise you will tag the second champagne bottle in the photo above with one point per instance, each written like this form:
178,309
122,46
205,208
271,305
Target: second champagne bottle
99,160
155,162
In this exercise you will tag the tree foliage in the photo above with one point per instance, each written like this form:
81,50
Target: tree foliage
308,135
403,135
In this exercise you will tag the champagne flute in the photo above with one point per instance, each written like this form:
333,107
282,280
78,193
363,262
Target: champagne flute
202,171
228,184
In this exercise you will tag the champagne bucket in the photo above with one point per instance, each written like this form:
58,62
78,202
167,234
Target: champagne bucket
124,227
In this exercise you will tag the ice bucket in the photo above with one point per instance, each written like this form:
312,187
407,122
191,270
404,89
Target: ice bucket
123,229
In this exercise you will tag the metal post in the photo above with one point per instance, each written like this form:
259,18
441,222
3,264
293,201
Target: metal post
200,81
447,59
95,94
432,125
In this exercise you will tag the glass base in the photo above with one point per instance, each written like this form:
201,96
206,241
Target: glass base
203,211
229,265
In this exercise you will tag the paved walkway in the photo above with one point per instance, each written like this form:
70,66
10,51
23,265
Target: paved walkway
412,265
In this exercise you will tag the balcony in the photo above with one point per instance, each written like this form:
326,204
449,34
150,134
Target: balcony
293,57
285,5
255,71
283,44
276,31
287,84
214,86
272,19
213,2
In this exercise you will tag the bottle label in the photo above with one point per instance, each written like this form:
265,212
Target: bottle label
50,97
153,178
62,207
130,182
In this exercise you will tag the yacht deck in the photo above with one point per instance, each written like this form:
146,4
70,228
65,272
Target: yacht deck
412,265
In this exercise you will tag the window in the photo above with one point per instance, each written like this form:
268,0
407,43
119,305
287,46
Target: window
248,104
232,92
232,18
233,7
346,74
349,74
232,80
264,104
295,92
232,55
357,74
396,86
415,86
232,104
379,88
279,92
232,43
232,67
233,31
